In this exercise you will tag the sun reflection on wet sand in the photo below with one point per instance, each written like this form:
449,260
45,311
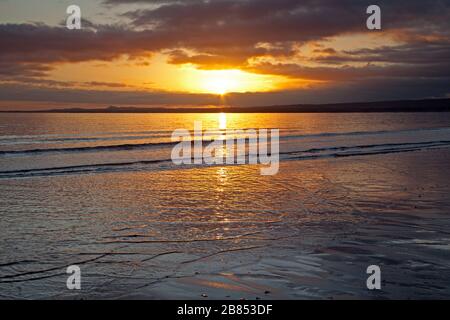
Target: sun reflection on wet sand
222,178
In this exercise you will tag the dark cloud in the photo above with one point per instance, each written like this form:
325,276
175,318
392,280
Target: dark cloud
18,92
46,44
356,74
431,53
9,69
217,31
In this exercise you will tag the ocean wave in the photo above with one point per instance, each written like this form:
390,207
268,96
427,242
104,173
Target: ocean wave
89,168
373,146
118,147
369,133
310,154
146,145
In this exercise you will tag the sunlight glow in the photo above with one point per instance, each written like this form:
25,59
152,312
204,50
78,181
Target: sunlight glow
186,78
222,82
219,85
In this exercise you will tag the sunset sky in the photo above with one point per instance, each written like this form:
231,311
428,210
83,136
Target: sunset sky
198,52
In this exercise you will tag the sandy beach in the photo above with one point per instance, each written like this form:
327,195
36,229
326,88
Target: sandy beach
229,233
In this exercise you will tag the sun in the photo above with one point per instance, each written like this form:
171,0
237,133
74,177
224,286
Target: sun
219,85
222,81
226,81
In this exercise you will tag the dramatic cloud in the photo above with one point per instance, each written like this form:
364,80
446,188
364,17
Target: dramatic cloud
259,36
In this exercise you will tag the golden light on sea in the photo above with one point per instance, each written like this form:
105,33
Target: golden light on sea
222,121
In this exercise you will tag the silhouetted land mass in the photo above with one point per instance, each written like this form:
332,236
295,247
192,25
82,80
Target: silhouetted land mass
427,105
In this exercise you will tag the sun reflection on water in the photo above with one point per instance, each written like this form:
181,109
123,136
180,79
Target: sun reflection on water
222,121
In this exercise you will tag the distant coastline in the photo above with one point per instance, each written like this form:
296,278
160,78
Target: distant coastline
425,105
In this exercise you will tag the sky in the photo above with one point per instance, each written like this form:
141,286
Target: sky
220,52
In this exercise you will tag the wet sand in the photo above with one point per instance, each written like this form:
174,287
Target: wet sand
228,233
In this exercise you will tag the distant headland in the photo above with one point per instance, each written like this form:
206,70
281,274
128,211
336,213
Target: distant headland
425,105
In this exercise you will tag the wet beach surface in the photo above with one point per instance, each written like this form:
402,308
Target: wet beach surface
227,232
